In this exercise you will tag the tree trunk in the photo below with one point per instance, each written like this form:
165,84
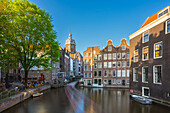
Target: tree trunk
26,78
7,80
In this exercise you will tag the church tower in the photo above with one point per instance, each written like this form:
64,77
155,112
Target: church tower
70,44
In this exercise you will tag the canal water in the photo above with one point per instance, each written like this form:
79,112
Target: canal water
110,100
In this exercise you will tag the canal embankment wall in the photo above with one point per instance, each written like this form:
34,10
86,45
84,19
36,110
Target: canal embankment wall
11,101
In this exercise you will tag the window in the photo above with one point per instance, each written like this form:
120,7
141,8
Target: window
123,47
99,65
127,73
89,61
114,81
145,53
119,55
95,73
123,64
114,64
109,73
127,63
109,64
85,68
95,81
127,55
99,57
85,54
105,81
145,91
118,81
144,74
109,57
85,75
163,12
145,37
100,73
90,55
105,73
114,73
95,57
135,74
114,55
157,74
123,55
94,52
135,55
158,50
95,65
168,26
110,48
123,73
89,68
105,64
118,73
127,81
90,75
118,64
105,56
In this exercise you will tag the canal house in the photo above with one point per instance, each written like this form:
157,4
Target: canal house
150,57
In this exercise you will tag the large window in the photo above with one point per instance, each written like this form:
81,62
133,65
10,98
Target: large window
135,74
109,64
123,73
157,74
127,73
123,55
123,47
95,65
168,26
127,63
118,64
119,55
118,73
90,55
99,65
85,61
105,56
114,73
89,61
105,64
105,73
145,53
90,68
95,57
144,74
110,48
109,57
85,68
85,54
114,55
109,73
145,91
90,75
118,81
85,75
99,57
127,56
114,64
158,50
136,56
123,64
145,37
100,73
95,73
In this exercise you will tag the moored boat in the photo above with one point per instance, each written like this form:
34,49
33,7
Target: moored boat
37,94
141,99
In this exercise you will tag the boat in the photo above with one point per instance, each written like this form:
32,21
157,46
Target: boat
37,94
141,99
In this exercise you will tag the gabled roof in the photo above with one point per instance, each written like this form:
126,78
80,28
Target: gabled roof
152,18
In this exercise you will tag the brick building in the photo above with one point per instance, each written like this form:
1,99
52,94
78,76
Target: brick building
149,57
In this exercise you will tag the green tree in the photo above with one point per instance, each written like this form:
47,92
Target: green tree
27,29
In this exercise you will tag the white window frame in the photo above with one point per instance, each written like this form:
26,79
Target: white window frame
99,66
117,56
109,64
123,54
105,64
134,56
118,80
109,48
143,91
123,46
154,50
163,11
109,56
124,73
144,35
128,73
114,81
166,27
105,56
114,63
143,74
124,63
154,74
127,55
143,53
114,56
119,72
134,80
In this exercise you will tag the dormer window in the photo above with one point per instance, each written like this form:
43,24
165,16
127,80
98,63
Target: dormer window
109,48
163,12
123,47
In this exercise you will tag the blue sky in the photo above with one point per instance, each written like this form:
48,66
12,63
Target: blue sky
93,22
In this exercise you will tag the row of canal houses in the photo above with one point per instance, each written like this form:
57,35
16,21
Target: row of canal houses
143,66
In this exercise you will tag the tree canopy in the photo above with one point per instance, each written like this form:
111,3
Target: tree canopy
28,31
